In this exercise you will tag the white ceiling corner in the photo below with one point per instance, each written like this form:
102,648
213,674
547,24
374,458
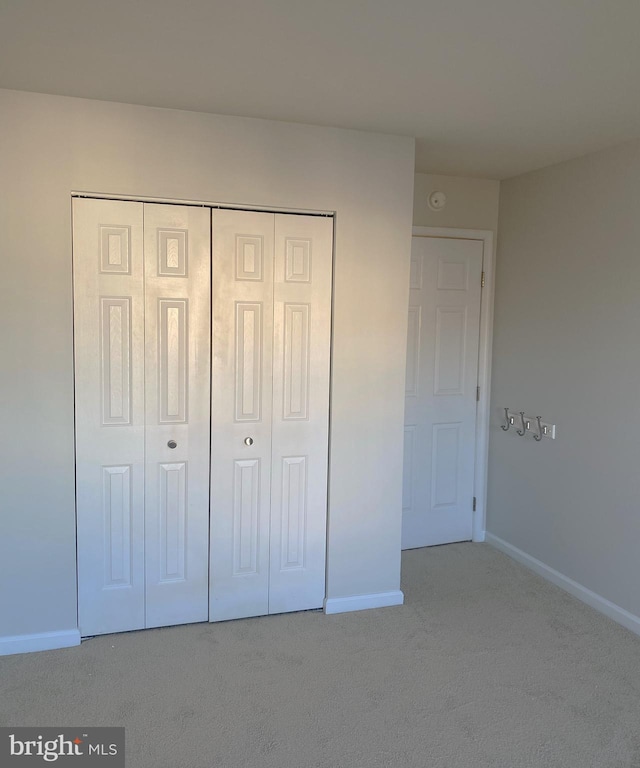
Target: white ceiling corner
490,89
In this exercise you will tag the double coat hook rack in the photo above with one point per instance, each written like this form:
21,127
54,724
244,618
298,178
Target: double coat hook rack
524,424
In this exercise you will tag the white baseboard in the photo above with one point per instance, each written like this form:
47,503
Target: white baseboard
45,641
592,599
363,602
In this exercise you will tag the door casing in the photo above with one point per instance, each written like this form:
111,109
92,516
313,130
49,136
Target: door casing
484,363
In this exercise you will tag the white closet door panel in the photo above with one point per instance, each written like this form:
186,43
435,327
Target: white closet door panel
109,393
177,364
241,409
440,395
302,334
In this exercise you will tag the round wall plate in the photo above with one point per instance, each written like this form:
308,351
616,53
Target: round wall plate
437,201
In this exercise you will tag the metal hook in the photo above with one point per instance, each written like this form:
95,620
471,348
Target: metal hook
538,437
524,426
506,426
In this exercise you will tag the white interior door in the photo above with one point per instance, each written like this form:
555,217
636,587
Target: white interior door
241,395
300,414
108,261
270,407
141,311
177,398
440,396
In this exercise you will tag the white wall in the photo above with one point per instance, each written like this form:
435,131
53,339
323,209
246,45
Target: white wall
567,347
53,145
471,203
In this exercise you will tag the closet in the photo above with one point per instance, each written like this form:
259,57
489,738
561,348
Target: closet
141,334
202,347
270,407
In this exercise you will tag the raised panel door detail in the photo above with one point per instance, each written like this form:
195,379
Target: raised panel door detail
297,260
453,274
451,332
116,506
173,368
246,505
115,355
415,272
249,257
108,313
248,395
296,361
115,250
172,252
407,474
440,418
301,377
413,352
294,512
444,465
173,521
176,395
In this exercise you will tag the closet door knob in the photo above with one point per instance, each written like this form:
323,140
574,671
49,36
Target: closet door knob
248,441
172,444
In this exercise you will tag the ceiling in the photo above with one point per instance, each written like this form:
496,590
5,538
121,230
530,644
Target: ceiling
489,88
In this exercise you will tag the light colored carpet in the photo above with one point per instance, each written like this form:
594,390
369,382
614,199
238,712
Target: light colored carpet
485,665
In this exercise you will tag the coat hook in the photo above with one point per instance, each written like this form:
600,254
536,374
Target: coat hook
524,426
506,426
538,437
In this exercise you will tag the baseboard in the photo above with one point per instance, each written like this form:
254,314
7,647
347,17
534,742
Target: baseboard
592,599
45,641
363,602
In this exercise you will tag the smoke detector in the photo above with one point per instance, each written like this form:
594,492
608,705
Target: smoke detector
437,201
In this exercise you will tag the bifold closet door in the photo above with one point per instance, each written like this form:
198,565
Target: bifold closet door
270,412
177,249
300,415
108,266
141,313
241,393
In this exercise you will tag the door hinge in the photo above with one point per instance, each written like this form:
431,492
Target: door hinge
474,503
477,394
482,281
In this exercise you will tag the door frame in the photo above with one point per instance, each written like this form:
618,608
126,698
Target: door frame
483,413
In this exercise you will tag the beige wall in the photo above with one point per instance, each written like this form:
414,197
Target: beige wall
53,145
567,348
471,203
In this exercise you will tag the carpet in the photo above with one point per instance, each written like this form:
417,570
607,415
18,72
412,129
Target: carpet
486,664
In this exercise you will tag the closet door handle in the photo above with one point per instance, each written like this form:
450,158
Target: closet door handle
248,441
172,444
